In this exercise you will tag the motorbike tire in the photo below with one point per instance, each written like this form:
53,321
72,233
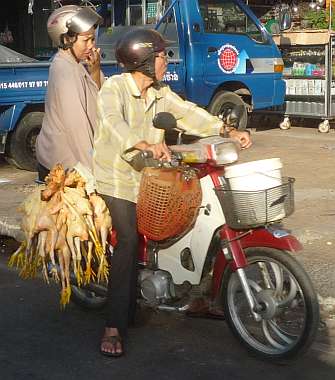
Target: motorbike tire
225,100
92,297
21,152
274,277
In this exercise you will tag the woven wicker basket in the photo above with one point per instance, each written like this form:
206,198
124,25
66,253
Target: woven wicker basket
168,202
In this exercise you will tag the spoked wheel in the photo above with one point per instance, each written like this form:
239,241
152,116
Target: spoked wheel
289,311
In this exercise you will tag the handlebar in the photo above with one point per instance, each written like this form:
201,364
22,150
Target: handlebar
215,150
144,159
146,154
210,149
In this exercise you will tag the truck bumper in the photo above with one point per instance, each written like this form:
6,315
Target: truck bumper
279,92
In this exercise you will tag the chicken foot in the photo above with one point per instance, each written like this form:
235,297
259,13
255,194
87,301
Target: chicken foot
89,273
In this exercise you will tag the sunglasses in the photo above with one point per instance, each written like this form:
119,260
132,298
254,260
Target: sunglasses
164,56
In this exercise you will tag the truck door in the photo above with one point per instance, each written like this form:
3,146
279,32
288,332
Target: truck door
168,27
236,48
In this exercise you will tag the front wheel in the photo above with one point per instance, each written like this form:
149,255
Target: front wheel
289,316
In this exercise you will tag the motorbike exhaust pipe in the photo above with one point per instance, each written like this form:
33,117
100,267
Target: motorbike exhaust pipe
173,308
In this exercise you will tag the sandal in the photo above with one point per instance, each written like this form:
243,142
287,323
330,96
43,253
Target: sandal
114,340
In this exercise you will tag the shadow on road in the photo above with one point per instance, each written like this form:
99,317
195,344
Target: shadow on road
39,341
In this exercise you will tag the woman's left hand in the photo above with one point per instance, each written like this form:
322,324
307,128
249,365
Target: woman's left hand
93,66
243,137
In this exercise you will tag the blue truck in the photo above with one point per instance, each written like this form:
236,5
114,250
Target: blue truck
221,56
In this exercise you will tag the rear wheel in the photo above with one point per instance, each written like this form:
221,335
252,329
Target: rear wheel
290,311
224,101
92,296
22,152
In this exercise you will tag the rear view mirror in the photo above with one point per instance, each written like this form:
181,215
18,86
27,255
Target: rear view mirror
285,19
165,120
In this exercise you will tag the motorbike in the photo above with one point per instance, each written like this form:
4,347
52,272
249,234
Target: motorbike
246,264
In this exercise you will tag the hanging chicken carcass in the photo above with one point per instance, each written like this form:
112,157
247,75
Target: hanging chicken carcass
65,229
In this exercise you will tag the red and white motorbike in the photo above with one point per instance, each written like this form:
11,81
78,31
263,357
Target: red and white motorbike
267,298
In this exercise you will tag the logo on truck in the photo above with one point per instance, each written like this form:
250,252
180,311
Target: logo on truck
228,59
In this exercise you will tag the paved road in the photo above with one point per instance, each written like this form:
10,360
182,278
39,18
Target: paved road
38,341
41,342
308,156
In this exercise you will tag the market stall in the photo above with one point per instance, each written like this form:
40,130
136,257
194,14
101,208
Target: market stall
309,58
308,51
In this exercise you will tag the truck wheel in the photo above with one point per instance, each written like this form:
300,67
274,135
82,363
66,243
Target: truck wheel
224,101
21,151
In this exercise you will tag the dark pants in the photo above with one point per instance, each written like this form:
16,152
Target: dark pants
122,284
42,172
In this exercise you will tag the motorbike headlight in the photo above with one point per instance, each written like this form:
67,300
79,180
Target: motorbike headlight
225,153
214,149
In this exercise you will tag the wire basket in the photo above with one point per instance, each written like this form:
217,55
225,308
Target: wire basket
250,209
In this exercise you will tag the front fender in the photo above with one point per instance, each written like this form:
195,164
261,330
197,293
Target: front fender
10,116
262,237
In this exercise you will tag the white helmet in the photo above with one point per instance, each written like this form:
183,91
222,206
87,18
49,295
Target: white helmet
73,19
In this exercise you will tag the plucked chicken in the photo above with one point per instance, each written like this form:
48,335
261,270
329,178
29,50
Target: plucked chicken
65,230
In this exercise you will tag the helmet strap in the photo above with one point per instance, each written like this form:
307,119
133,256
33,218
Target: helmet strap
148,67
74,54
67,41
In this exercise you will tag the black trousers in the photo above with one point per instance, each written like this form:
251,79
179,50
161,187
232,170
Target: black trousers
122,283
42,172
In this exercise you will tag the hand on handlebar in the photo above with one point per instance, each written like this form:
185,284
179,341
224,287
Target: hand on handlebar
242,136
159,151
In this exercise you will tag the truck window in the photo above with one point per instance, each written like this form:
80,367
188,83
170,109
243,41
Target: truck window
135,15
136,12
168,29
225,16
